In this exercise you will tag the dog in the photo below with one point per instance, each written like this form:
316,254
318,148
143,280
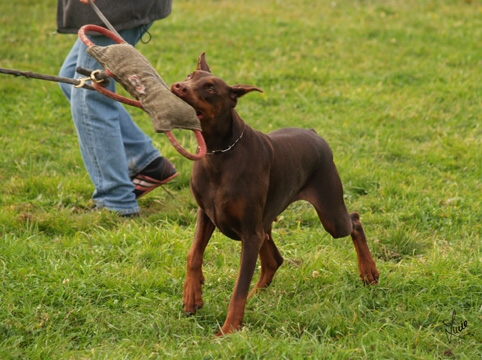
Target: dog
246,180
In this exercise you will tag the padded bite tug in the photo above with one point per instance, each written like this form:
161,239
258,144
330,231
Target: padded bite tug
134,72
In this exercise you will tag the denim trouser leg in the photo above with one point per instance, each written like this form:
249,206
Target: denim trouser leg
112,145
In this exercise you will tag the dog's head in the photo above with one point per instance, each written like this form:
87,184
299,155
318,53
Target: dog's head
209,95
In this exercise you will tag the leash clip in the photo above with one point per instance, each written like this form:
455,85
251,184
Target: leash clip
82,82
94,78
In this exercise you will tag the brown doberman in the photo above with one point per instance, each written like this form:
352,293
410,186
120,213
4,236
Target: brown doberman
246,180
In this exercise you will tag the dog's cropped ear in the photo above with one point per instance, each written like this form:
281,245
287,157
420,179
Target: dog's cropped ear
239,90
202,64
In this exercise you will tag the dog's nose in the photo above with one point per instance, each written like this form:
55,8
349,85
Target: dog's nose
179,88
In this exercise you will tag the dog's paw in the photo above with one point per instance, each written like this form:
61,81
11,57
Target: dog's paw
369,273
192,299
189,312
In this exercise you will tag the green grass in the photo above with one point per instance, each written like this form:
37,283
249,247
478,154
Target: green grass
393,86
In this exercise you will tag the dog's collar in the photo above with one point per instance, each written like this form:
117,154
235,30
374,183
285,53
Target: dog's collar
229,147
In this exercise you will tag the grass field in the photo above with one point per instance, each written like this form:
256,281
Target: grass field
394,86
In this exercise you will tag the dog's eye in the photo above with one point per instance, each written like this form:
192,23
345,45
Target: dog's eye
210,89
189,77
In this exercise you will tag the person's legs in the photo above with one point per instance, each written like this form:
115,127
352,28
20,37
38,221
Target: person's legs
113,147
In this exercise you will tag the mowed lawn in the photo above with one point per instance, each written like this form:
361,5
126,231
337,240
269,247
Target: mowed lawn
395,87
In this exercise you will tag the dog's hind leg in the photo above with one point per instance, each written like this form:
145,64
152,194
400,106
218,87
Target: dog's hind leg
325,192
192,298
366,265
271,260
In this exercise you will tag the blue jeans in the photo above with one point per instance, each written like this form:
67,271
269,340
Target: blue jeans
113,147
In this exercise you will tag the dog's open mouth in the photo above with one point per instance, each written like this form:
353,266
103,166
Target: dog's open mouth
176,92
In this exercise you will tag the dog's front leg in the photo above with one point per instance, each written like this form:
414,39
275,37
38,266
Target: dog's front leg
249,254
192,298
271,260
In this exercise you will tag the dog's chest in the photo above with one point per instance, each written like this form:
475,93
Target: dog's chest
227,217
227,206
